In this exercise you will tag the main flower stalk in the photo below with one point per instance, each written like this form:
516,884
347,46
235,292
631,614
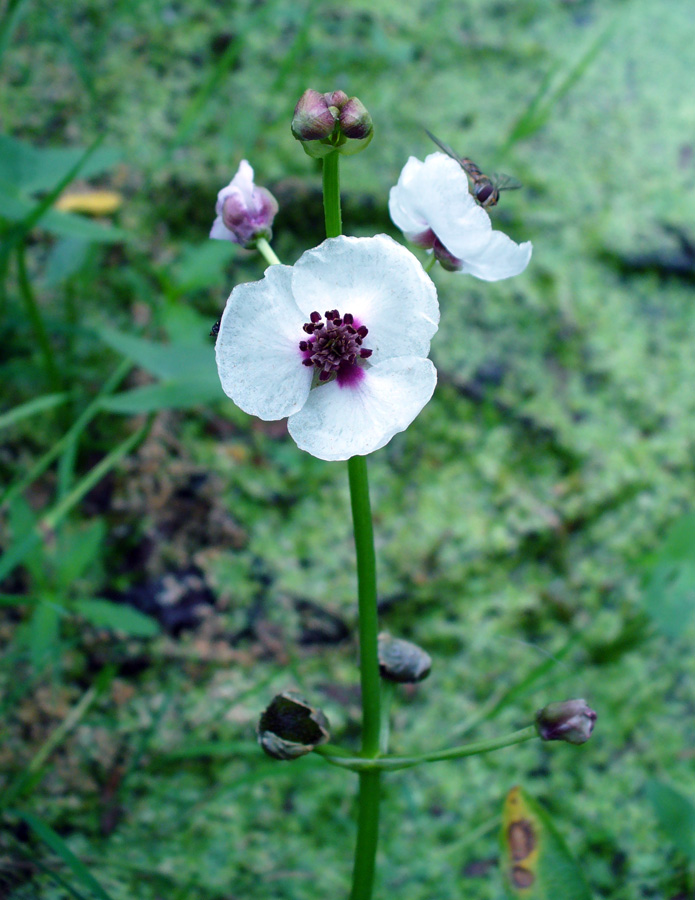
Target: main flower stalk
367,601
369,791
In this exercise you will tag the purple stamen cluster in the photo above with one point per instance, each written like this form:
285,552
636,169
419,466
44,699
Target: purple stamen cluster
333,345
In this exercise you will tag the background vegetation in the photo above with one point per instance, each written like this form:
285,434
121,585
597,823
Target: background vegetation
169,564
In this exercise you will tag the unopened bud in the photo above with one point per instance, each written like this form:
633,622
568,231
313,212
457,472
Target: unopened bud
331,121
290,727
571,721
402,661
355,121
313,119
245,212
336,98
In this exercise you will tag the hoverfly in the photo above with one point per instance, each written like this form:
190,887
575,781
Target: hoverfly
214,331
486,190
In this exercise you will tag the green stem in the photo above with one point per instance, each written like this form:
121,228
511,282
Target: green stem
393,763
267,252
387,689
36,319
368,815
366,594
367,836
369,793
331,194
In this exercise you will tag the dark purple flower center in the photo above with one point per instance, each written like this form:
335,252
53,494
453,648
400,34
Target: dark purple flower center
333,346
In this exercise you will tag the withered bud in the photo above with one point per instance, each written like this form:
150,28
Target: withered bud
290,727
402,661
571,721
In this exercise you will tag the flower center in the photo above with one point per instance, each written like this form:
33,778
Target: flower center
333,345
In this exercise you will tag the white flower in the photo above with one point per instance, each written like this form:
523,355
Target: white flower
244,212
433,207
338,342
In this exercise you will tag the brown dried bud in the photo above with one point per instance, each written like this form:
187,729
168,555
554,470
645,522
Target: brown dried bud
290,727
571,721
402,661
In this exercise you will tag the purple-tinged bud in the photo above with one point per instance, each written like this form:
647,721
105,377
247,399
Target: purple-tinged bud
313,119
290,727
245,212
336,98
571,721
355,121
331,121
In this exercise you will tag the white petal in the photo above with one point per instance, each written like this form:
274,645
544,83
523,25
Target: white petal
452,212
377,280
220,231
339,422
438,192
405,207
501,258
257,349
243,180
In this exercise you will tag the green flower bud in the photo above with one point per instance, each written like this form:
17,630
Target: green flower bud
571,721
401,660
290,727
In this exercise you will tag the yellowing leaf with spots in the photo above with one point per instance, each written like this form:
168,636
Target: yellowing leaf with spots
536,864
94,203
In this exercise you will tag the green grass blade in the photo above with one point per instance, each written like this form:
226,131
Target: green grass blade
71,435
31,407
498,701
34,771
48,522
541,106
54,842
10,22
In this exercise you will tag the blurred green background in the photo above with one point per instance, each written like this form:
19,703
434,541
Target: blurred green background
169,564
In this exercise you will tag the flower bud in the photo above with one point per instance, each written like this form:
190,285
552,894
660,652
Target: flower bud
245,212
313,119
401,660
331,121
336,98
571,721
355,121
290,727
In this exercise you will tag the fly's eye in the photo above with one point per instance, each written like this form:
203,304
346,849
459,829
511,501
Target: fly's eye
485,195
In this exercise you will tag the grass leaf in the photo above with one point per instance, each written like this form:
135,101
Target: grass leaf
52,840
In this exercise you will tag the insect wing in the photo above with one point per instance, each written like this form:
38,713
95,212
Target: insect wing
445,148
505,182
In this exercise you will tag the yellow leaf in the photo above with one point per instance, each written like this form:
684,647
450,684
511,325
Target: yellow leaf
521,832
536,863
94,203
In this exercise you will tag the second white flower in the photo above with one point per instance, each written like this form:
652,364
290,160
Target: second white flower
433,207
